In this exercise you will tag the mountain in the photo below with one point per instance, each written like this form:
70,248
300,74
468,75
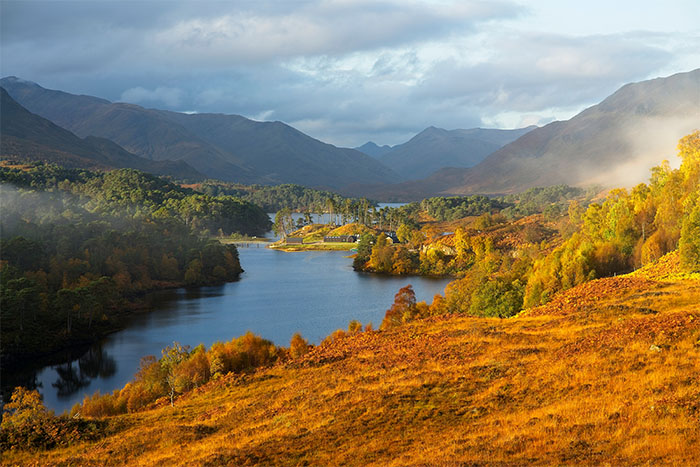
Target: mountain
29,136
611,143
226,147
373,149
282,154
435,148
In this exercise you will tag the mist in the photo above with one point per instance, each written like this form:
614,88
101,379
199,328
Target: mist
650,142
22,209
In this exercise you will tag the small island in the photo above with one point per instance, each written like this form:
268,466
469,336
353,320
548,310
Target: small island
327,237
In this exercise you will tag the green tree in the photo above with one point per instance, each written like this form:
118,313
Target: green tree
689,244
364,251
284,223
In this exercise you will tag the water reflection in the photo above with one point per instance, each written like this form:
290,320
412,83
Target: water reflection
69,380
77,374
280,293
96,362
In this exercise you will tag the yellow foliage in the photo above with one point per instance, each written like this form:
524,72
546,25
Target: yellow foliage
540,387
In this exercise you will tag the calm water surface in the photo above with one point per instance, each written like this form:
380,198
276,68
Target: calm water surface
279,294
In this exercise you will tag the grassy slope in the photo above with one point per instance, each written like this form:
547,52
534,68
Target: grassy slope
608,373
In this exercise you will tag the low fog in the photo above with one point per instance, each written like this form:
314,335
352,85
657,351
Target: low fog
650,143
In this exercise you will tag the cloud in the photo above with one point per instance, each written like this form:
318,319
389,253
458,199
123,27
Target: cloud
343,70
533,71
322,28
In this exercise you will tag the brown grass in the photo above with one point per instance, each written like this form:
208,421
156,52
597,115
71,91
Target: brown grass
607,374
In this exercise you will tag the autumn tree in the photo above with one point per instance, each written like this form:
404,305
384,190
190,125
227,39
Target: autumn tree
298,346
172,357
689,243
402,310
382,254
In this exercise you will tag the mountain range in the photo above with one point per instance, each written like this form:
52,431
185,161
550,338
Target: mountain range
435,148
225,147
27,136
613,143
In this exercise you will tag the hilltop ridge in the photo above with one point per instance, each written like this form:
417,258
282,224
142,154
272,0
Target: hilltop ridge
27,136
224,147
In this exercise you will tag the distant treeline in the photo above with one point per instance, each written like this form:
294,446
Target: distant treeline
75,244
296,198
551,200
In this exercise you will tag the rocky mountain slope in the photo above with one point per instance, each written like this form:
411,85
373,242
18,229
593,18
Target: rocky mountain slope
613,143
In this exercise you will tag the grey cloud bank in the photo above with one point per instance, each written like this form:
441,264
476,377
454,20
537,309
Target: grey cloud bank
342,71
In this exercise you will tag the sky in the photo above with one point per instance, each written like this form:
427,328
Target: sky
350,71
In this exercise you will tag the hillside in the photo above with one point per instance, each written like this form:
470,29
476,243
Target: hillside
282,154
613,143
225,147
27,136
542,388
435,148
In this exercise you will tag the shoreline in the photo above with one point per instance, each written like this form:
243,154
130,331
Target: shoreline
319,246
136,303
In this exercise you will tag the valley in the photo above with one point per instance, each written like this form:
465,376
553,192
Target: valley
193,287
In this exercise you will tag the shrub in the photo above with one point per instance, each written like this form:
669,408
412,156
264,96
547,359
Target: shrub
354,327
298,346
27,424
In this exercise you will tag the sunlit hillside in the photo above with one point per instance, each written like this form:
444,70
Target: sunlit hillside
607,373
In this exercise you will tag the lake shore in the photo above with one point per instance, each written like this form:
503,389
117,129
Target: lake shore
317,246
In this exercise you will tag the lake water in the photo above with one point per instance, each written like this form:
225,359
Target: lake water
279,294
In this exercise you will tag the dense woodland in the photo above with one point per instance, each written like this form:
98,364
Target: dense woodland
77,246
274,198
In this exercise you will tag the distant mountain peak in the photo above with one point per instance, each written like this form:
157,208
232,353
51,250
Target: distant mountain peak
435,148
613,143
431,130
27,136
17,80
373,149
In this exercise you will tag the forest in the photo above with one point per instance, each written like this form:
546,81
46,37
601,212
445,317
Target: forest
503,266
79,248
543,241
296,198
